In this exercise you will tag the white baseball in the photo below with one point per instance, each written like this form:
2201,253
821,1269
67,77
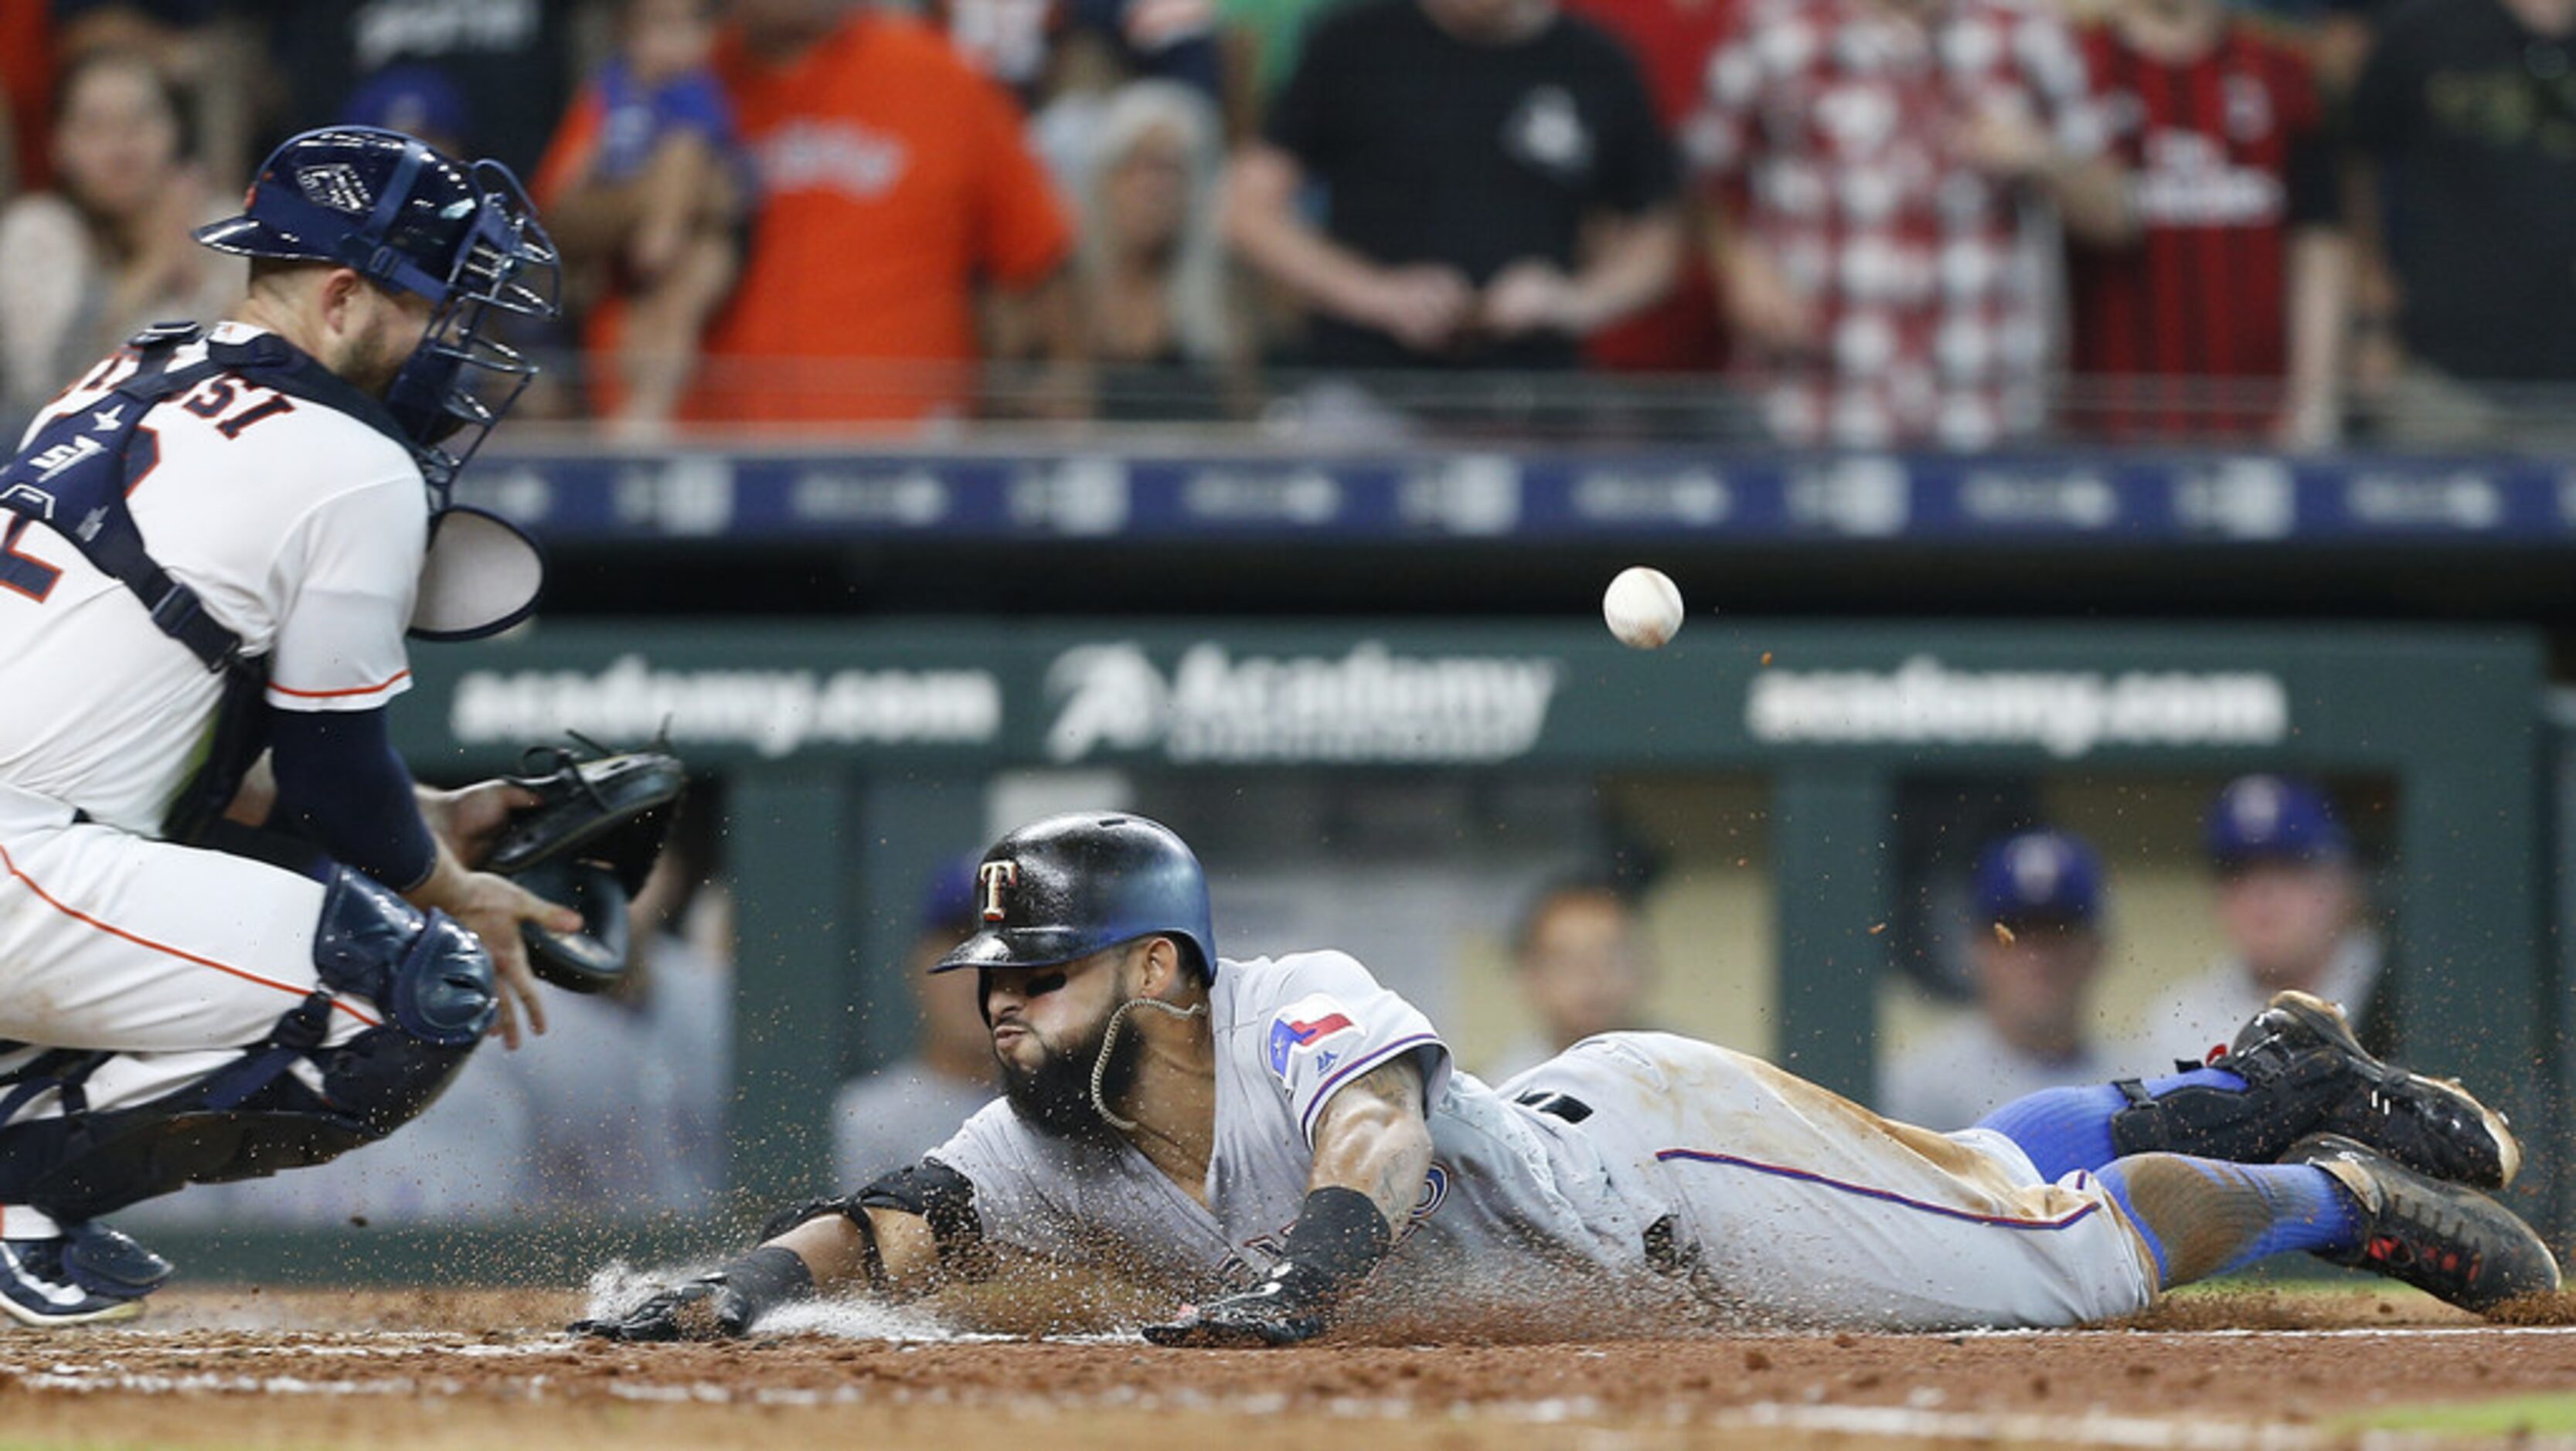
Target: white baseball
1643,607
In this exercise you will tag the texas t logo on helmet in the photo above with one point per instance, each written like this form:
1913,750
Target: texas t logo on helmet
996,876
1061,889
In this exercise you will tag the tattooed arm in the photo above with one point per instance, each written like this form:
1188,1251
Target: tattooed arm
1372,1148
1374,1136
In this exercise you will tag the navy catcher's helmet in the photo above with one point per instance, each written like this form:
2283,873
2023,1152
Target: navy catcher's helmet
408,219
1069,886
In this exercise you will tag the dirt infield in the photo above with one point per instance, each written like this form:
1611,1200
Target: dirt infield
389,1370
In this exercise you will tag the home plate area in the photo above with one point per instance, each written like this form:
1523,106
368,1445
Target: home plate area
2273,1367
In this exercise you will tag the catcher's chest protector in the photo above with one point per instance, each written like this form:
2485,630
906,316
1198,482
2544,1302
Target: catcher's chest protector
73,477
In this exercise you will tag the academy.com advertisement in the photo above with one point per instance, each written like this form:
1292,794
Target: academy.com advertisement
2066,713
1209,704
773,713
1205,700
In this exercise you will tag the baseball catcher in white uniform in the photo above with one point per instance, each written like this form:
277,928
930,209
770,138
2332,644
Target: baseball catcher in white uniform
1284,1144
234,936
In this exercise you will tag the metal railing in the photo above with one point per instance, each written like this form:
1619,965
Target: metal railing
821,400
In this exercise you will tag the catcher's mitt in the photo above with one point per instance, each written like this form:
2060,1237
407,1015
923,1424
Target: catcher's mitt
587,843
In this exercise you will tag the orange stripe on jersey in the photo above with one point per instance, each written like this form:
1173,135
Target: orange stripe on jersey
399,677
120,933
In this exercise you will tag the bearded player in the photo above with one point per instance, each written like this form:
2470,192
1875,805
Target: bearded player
234,937
1284,1142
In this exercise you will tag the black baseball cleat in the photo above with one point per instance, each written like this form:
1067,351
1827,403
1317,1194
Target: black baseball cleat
87,1274
2430,1125
2448,1241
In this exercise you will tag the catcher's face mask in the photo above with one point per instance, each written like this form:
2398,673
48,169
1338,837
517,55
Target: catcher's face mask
482,575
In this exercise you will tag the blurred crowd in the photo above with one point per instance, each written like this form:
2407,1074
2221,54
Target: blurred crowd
1867,222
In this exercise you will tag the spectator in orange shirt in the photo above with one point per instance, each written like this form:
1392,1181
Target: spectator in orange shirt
893,180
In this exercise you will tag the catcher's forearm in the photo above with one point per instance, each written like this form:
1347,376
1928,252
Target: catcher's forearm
339,783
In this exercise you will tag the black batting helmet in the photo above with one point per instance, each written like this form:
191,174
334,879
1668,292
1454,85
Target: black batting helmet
1069,886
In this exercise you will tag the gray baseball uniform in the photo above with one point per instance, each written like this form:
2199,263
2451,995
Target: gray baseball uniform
1628,1155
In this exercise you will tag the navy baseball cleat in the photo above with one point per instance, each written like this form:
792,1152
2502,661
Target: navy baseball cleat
87,1274
2448,1241
2430,1125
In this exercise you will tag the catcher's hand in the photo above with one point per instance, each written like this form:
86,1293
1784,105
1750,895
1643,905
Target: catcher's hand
702,1309
594,829
1290,1306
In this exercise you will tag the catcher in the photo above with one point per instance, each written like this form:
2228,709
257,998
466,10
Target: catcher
1284,1143
234,938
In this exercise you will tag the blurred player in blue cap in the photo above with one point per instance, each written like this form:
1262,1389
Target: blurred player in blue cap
2035,947
906,1108
2291,905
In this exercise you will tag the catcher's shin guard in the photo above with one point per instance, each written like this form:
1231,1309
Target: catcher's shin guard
85,1165
255,1115
2305,1073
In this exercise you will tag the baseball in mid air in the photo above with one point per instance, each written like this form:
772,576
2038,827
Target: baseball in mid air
1643,607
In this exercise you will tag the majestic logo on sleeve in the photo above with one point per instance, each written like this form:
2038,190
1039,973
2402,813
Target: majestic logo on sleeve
1309,1037
996,876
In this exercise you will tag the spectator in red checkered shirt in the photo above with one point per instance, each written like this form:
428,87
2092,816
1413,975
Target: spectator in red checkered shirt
1886,268
2226,316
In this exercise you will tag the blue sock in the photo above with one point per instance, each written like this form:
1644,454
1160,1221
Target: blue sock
2065,1129
2238,1213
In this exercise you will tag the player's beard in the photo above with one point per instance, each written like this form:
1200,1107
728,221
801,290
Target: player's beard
1055,1096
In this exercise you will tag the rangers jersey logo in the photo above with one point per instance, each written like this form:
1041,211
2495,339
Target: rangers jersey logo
1311,1035
1435,1192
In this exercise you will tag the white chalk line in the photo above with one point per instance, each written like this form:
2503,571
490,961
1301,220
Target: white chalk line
1917,1422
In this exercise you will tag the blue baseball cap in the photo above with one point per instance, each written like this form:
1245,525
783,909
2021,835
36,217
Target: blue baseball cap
2273,818
412,98
948,898
2039,876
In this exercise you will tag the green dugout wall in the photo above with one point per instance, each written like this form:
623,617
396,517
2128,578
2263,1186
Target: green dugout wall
851,750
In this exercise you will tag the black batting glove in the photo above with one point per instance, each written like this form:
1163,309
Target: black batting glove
1293,1304
1337,1240
714,1306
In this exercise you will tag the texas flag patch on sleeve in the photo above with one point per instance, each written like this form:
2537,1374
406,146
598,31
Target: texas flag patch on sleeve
1308,1038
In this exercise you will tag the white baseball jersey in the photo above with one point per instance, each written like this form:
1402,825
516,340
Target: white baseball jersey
301,529
1630,1159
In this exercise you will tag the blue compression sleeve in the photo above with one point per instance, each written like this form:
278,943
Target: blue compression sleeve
2064,1129
340,783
